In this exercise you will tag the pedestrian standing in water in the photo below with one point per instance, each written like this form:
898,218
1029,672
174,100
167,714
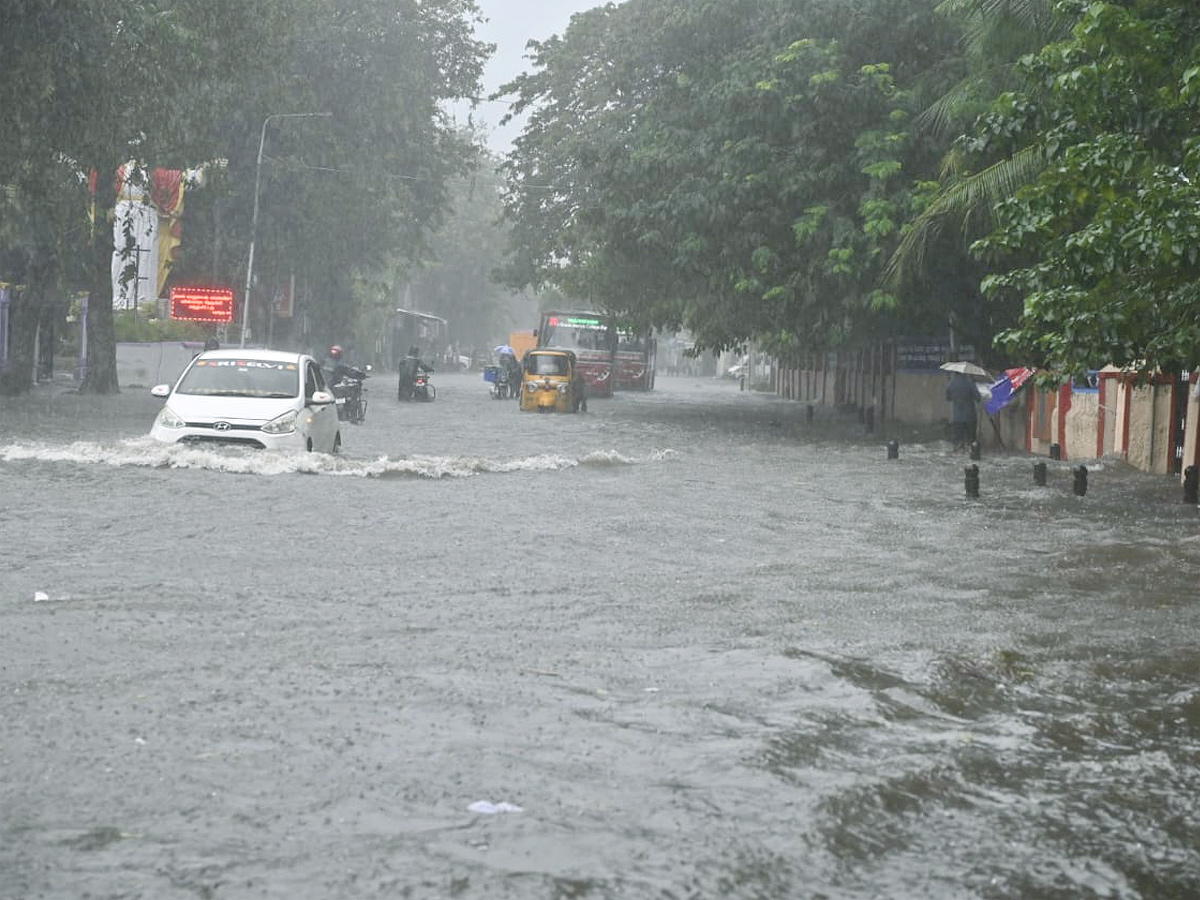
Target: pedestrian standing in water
964,399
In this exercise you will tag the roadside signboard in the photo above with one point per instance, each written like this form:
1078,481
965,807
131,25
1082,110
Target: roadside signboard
202,304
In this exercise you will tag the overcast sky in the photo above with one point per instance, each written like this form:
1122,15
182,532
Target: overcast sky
511,23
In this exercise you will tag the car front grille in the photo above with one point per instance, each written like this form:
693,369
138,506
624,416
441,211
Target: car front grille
232,426
226,438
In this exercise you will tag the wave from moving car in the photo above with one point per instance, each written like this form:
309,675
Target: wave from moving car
251,398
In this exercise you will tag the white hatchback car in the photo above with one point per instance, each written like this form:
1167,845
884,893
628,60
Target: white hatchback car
252,398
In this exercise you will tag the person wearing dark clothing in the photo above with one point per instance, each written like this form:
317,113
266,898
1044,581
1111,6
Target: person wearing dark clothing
964,398
512,373
334,366
409,367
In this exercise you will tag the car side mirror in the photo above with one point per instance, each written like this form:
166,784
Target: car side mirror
321,398
161,390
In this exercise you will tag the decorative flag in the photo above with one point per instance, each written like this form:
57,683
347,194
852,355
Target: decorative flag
1005,388
166,193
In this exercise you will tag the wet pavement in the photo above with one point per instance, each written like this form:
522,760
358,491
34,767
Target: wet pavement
686,645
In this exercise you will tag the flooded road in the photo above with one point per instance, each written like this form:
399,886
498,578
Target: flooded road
687,645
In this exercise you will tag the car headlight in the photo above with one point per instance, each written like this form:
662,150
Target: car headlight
284,424
167,419
563,388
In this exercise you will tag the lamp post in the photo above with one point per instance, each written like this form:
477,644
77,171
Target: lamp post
262,140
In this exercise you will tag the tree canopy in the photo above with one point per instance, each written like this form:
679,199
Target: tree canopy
780,172
1103,247
777,171
90,84
745,180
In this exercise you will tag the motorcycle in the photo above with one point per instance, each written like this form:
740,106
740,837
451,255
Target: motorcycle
505,385
422,388
348,392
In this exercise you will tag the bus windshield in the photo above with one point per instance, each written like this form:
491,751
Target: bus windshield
574,332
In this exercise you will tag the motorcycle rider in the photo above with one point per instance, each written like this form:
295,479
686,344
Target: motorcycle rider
344,382
409,367
334,366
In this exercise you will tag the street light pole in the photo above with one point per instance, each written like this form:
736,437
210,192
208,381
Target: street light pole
262,140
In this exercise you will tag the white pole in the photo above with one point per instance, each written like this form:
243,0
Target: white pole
262,139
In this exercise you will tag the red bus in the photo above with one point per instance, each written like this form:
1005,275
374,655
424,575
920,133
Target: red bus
593,340
636,355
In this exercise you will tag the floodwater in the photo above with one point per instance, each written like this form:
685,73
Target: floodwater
686,645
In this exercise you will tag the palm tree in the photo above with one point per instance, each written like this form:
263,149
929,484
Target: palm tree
996,34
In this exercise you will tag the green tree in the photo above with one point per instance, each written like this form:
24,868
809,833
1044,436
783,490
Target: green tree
348,204
89,84
931,267
182,82
1101,249
745,179
458,282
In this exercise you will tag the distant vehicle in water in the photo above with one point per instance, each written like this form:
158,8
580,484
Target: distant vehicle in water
591,337
423,388
408,328
635,361
552,382
522,342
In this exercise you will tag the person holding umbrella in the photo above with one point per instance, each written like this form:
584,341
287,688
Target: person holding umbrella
964,400
507,357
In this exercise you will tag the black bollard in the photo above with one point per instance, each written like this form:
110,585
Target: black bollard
893,447
870,419
972,480
1039,474
1080,486
1191,485
1055,451
975,451
808,413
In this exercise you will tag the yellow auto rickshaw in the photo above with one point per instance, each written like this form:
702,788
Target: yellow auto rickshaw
551,382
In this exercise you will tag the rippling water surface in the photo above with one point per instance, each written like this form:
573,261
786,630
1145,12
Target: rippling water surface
687,645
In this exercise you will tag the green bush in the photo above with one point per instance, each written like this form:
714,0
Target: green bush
140,328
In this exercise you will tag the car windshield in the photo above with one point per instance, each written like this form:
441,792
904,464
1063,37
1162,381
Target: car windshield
548,365
241,378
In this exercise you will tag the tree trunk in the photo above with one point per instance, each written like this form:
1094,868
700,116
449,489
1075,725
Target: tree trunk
101,376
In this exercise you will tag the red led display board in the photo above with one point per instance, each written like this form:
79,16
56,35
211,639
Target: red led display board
202,304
